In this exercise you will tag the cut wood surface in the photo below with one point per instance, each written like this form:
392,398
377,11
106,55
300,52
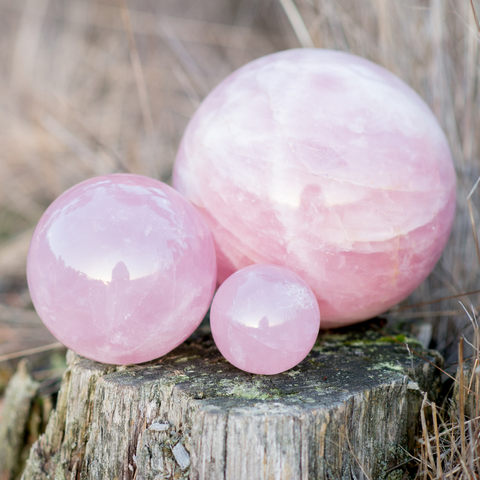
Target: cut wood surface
347,411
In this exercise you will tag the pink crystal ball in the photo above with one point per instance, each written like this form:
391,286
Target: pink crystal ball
264,319
329,165
121,268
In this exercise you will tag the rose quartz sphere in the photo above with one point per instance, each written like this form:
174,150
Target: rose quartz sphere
264,319
327,164
121,268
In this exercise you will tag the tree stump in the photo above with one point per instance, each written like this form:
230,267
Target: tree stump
347,411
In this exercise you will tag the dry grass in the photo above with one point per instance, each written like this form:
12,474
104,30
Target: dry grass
95,86
450,443
89,87
433,45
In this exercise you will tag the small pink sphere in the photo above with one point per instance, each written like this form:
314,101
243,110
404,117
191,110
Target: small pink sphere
121,268
329,165
265,319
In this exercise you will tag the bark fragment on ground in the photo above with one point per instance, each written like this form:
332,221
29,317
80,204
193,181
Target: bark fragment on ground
348,410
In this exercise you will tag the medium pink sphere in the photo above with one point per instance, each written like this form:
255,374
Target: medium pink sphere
329,165
121,268
265,319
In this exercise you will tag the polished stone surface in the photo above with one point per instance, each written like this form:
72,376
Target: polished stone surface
328,164
121,268
264,319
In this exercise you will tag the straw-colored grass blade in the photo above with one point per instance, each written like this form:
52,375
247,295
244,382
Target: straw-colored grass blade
437,442
297,23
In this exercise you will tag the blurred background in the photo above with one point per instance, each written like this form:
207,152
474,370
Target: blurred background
89,87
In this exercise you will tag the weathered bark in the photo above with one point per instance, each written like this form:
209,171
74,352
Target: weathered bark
345,412
16,413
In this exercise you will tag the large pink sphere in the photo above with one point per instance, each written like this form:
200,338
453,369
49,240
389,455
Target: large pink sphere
121,268
328,164
264,319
